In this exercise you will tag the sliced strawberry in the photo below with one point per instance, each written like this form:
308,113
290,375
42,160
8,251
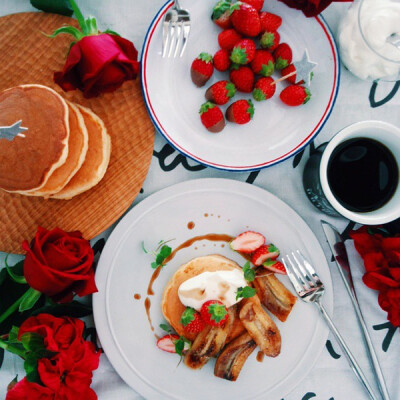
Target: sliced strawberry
275,266
247,242
265,253
167,343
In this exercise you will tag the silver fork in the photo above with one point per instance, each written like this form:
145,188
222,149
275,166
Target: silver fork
310,289
176,30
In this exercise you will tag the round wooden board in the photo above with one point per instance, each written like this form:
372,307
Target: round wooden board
27,56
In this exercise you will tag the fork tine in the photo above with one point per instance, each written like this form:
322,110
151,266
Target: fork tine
303,271
171,38
292,276
298,274
186,33
165,38
309,268
178,35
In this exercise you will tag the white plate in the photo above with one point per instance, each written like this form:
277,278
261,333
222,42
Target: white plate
124,269
277,131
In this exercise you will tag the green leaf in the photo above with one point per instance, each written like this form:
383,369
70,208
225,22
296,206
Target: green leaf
68,30
159,259
245,292
32,341
15,277
110,32
165,251
53,6
79,17
91,24
217,312
144,248
30,366
13,335
74,309
166,328
29,300
154,265
180,345
249,273
188,316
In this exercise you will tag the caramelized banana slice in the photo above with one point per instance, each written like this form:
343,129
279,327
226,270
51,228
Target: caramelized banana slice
260,326
209,343
231,360
274,295
237,327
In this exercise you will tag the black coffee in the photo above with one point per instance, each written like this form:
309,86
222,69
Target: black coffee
362,174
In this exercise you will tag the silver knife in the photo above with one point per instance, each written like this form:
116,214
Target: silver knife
339,252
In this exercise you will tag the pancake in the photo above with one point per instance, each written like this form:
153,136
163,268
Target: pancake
172,308
77,149
27,163
96,161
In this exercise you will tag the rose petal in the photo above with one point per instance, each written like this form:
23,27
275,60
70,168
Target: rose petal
366,243
375,262
24,390
378,281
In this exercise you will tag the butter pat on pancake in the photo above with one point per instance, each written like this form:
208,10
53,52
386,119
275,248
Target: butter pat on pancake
172,307
77,149
96,161
27,163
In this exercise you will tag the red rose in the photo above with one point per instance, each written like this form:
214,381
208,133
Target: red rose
389,301
70,377
24,390
59,264
310,7
97,64
381,257
60,334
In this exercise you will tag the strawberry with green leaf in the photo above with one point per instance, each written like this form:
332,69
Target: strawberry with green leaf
264,253
221,14
243,52
264,89
263,63
241,112
221,92
214,313
192,321
202,69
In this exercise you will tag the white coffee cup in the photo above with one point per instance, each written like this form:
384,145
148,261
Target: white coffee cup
388,135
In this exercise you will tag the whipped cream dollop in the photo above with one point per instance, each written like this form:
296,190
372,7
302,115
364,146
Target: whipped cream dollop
218,285
379,19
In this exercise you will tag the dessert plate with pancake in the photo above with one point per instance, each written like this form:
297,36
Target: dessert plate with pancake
276,131
236,323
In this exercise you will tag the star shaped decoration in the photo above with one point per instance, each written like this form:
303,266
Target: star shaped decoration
11,132
304,67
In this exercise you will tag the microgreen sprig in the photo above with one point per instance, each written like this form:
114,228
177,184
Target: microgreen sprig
245,292
161,253
249,273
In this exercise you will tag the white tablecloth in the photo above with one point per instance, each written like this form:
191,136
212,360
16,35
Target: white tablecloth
331,377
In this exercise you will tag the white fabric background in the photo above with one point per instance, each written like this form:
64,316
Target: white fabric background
330,378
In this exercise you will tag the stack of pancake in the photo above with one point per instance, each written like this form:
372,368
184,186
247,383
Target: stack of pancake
65,151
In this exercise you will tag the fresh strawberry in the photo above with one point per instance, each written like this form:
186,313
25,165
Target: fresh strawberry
264,89
245,19
167,343
202,69
257,4
228,38
270,22
243,78
221,92
295,95
221,60
263,63
264,253
192,321
270,40
275,266
283,56
240,112
212,117
214,313
247,242
221,14
292,79
243,52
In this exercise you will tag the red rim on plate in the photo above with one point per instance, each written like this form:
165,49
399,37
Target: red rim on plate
311,136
